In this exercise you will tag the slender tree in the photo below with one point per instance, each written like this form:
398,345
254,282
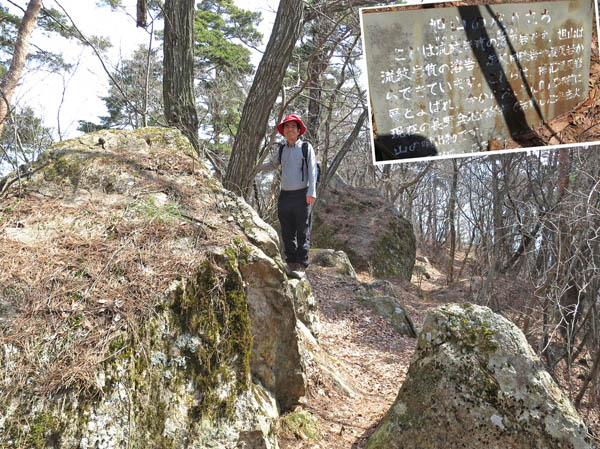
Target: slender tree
11,79
452,220
222,64
262,96
139,77
23,138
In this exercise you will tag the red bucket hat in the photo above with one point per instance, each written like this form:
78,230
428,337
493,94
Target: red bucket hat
291,118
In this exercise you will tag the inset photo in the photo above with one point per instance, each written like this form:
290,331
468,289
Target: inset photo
448,81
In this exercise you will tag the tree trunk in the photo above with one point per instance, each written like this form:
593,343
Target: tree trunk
142,13
570,299
452,220
147,79
315,91
592,375
178,69
11,79
486,293
498,211
262,96
466,258
434,212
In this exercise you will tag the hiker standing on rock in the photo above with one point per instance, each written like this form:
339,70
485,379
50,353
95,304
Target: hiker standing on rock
298,192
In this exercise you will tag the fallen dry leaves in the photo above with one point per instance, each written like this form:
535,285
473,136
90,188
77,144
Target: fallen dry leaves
370,355
367,353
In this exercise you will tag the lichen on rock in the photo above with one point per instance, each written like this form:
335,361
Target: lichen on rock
211,308
332,258
345,220
475,382
305,305
146,288
379,296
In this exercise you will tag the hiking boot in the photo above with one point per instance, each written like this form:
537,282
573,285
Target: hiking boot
295,274
295,270
299,270
289,267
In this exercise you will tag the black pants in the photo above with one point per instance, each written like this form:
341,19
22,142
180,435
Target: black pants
294,217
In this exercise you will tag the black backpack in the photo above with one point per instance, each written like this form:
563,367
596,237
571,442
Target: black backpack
305,161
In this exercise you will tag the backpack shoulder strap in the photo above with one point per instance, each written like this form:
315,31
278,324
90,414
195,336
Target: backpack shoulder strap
305,158
281,145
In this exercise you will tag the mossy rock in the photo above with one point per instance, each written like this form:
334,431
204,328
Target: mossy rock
176,359
184,375
395,250
390,309
324,236
301,424
475,382
334,259
359,222
212,306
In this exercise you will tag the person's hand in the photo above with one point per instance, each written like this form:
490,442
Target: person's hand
310,199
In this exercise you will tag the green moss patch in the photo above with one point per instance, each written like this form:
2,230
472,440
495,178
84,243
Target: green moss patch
323,236
213,307
43,431
64,168
394,253
301,423
470,335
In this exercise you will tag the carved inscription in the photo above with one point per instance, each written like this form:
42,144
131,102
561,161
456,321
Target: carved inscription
458,77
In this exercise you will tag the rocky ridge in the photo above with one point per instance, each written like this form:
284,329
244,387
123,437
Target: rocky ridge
166,318
142,304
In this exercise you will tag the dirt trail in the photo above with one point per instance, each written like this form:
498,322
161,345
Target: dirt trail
366,353
368,358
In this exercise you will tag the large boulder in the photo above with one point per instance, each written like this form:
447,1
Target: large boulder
361,223
141,304
474,382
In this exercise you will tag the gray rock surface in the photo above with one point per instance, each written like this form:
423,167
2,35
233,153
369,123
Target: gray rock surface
359,222
333,258
275,360
390,309
379,297
474,382
305,304
211,362
379,287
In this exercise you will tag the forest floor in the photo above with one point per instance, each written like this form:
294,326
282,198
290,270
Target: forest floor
370,359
